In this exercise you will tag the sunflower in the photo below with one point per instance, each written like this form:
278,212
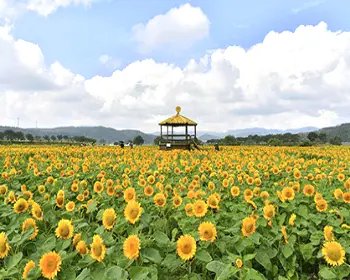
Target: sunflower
328,233
82,248
21,205
338,193
98,187
28,267
131,247
177,201
108,218
151,179
129,194
207,231
235,191
76,239
292,219
37,212
148,191
64,229
321,205
50,264
309,190
248,194
186,247
346,197
59,201
264,195
248,226
189,209
70,206
239,262
284,232
288,193
30,223
159,199
4,246
132,211
333,253
200,208
98,249
3,190
269,211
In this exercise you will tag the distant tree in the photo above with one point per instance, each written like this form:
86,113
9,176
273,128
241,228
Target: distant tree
9,134
306,143
274,142
336,140
156,141
46,137
312,136
60,137
65,137
38,137
2,136
53,137
102,141
29,137
323,137
138,140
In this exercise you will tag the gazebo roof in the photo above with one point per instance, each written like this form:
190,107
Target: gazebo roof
178,119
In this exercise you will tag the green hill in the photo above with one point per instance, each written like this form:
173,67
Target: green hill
343,131
99,133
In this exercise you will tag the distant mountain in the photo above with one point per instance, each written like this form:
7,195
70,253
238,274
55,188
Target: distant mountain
343,131
263,131
204,136
108,134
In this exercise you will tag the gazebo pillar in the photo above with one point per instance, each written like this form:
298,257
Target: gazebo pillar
195,132
186,132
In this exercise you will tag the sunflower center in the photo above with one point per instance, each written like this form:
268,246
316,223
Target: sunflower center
20,207
207,234
133,213
333,254
64,231
109,220
97,250
2,247
248,227
51,265
186,248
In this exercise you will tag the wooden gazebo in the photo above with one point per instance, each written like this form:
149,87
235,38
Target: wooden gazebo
170,140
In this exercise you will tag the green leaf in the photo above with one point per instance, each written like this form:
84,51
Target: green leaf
249,257
161,237
116,273
203,256
263,258
252,274
227,272
216,266
49,244
171,262
13,260
306,251
138,273
327,273
303,211
84,275
287,250
152,254
92,207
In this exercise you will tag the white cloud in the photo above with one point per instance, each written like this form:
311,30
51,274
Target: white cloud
181,26
289,80
10,9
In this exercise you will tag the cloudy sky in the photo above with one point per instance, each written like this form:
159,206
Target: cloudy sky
229,64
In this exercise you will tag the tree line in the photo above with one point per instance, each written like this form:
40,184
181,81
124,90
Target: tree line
11,135
286,139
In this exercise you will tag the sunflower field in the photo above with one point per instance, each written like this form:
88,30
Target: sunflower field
111,213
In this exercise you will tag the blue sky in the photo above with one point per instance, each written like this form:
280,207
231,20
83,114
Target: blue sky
129,63
77,36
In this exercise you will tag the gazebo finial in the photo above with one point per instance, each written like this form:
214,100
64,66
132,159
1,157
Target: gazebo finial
178,109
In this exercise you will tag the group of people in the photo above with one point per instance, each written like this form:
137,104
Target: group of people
121,144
